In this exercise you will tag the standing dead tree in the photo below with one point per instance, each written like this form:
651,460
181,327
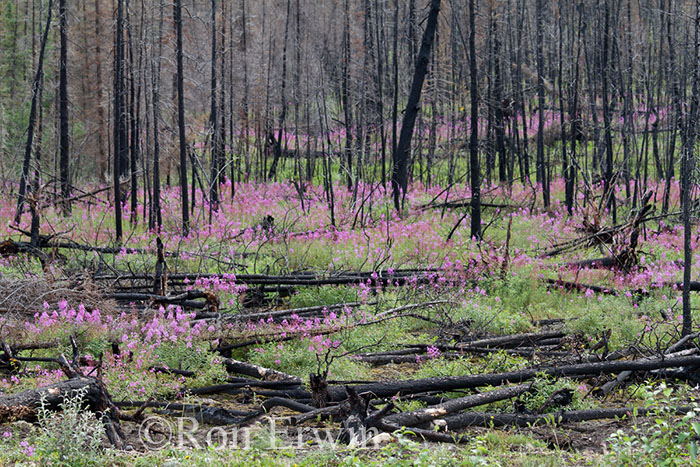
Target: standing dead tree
399,178
32,119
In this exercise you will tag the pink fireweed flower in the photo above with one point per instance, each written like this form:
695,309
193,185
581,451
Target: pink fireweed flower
433,352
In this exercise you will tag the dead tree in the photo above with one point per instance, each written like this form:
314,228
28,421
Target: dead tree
32,119
399,178
179,78
474,168
63,108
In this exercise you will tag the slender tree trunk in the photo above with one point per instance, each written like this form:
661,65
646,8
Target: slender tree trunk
570,173
181,119
345,91
156,220
119,149
379,26
541,166
689,132
399,179
474,168
213,121
499,126
63,109
133,122
32,119
244,110
101,133
283,97
34,205
608,178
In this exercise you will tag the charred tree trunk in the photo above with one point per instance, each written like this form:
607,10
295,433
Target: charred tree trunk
608,177
399,179
688,168
119,139
213,122
133,112
541,166
63,109
181,119
156,216
283,96
474,168
32,119
345,96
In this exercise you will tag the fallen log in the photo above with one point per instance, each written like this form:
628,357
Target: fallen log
257,371
248,389
418,417
427,435
451,383
173,371
608,387
530,352
277,314
24,405
485,419
322,413
273,402
601,236
372,278
203,413
515,340
566,285
186,299
607,262
33,346
12,248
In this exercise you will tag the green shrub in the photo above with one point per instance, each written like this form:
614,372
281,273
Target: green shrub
663,438
70,437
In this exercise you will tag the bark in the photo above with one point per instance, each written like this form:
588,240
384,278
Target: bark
63,108
213,121
689,136
608,177
119,144
32,119
516,340
156,218
456,422
283,87
474,168
399,179
181,119
541,166
418,417
257,371
391,388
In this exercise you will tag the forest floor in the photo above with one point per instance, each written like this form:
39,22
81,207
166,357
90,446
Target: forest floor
269,336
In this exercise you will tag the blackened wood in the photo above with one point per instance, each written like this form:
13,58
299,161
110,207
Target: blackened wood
418,417
399,178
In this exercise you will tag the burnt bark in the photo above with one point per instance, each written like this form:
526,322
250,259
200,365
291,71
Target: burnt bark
399,178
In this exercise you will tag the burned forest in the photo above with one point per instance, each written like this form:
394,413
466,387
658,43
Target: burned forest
349,232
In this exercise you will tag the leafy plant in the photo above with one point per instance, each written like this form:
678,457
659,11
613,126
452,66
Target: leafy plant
72,436
665,439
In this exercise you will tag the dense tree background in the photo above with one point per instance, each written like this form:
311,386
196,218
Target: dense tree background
590,91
